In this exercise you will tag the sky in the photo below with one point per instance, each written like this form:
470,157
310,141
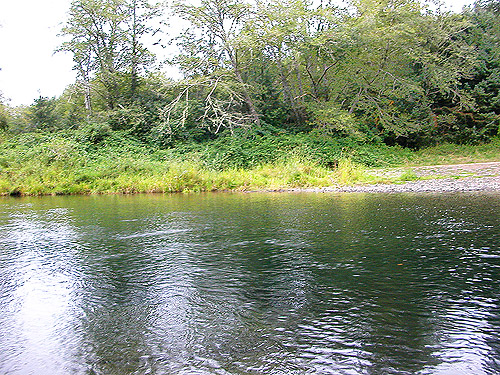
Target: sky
28,38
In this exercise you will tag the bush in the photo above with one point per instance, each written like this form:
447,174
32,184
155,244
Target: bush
93,132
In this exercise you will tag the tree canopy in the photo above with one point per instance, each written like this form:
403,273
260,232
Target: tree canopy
386,70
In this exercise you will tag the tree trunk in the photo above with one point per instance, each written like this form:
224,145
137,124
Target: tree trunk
88,103
134,62
246,94
287,89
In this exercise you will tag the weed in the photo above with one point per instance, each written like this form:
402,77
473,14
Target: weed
408,175
58,163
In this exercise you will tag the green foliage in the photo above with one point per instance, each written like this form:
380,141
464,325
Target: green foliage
331,120
483,121
251,149
453,125
129,118
348,172
42,114
68,163
105,38
268,82
448,153
93,133
408,175
377,70
4,117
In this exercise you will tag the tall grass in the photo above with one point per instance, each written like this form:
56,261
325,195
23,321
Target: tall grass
449,153
39,164
57,167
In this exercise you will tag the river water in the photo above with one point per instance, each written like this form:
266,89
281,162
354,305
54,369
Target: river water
250,284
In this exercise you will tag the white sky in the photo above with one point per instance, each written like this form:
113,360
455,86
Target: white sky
28,37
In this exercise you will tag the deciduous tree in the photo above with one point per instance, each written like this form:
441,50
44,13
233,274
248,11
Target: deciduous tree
105,38
212,41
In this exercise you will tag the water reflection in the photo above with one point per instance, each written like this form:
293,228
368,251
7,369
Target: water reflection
237,284
39,293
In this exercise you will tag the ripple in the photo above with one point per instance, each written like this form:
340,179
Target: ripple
306,284
155,233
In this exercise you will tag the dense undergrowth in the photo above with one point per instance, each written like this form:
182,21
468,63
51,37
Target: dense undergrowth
72,163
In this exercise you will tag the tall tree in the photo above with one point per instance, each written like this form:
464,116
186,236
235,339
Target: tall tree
214,43
105,38
4,113
389,63
42,114
485,36
277,31
139,25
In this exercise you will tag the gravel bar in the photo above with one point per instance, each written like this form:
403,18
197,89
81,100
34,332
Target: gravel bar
470,177
444,185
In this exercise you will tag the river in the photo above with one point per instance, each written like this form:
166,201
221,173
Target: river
285,283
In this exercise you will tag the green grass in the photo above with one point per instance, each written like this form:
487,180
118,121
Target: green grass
43,164
408,175
457,154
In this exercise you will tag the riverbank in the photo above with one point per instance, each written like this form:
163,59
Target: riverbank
437,178
484,177
445,185
58,164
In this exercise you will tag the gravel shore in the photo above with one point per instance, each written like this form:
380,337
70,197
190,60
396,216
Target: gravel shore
444,185
437,178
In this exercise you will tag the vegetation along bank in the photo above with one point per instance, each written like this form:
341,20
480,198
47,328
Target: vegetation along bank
281,94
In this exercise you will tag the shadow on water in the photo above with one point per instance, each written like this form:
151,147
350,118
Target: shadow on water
250,283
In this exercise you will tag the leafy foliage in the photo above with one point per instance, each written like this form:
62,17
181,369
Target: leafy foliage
270,81
105,40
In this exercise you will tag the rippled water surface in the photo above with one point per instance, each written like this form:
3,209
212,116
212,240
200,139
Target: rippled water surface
250,284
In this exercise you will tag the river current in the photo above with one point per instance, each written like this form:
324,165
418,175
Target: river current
298,283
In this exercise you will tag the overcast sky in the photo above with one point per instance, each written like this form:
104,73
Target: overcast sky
28,37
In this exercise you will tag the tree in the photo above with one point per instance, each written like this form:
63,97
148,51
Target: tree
141,13
388,64
215,46
4,114
42,114
106,43
485,36
482,120
276,34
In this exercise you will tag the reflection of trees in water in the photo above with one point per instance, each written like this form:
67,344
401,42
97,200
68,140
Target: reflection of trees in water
352,323
411,272
369,285
139,310
458,268
247,274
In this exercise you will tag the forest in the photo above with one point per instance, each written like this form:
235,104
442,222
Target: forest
262,82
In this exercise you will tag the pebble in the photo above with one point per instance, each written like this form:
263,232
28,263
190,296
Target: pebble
443,185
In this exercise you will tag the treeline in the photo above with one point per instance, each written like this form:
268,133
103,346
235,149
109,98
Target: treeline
388,71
